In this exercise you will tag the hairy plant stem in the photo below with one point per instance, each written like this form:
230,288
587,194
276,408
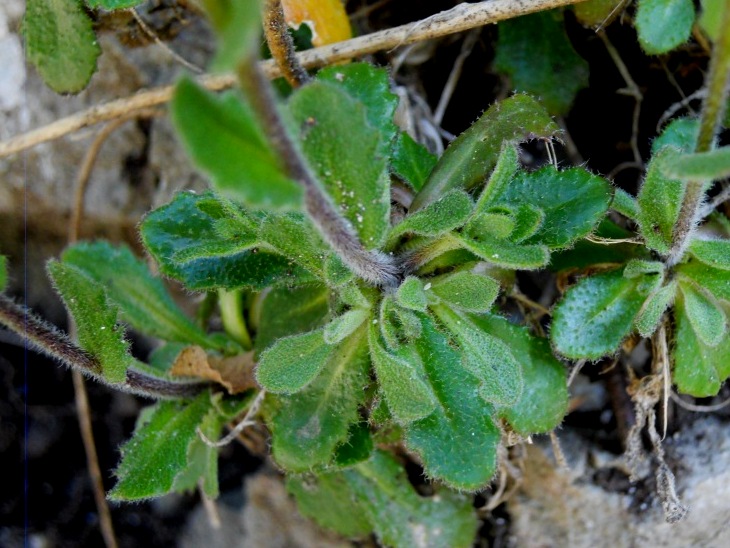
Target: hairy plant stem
372,266
56,344
281,44
710,120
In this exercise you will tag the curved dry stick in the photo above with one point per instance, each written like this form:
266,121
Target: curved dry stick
462,17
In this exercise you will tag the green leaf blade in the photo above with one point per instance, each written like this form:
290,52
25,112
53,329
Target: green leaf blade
704,314
664,24
467,291
703,166
653,308
411,161
715,253
291,363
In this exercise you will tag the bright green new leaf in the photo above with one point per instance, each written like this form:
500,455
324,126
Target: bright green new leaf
508,163
293,236
596,314
595,13
349,156
638,267
400,378
458,441
544,400
336,273
158,450
703,166
499,223
96,320
403,518
573,201
659,201
113,4
181,224
446,214
237,25
308,426
536,53
409,323
472,156
142,298
715,253
388,324
293,362
3,272
504,253
680,134
704,314
222,137
328,500
411,294
61,44
664,24
485,357
466,291
713,279
345,325
653,308
699,370
411,161
289,311
625,204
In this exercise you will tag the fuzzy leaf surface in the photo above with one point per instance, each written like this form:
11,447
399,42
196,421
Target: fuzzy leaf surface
625,204
458,441
307,427
595,315
293,236
401,517
293,362
502,252
681,134
486,357
573,200
445,214
61,44
411,294
659,202
704,314
544,400
142,298
400,377
664,24
715,253
96,320
411,161
349,155
222,137
702,166
535,52
507,165
344,325
466,291
158,450
472,156
699,370
713,279
653,308
228,263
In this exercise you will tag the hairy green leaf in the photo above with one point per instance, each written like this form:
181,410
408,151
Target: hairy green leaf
158,450
328,500
349,156
659,201
446,214
702,166
222,137
573,200
472,156
96,320
345,325
664,24
638,267
625,204
293,362
504,253
237,25
544,400
411,161
458,441
653,308
680,134
308,426
704,314
411,294
466,291
61,44
538,57
400,377
508,163
713,279
293,236
715,253
142,298
595,315
699,370
401,517
220,263
485,357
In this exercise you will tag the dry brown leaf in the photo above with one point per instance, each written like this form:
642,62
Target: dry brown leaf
235,373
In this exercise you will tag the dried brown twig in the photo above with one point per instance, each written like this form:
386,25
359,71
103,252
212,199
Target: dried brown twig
460,18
